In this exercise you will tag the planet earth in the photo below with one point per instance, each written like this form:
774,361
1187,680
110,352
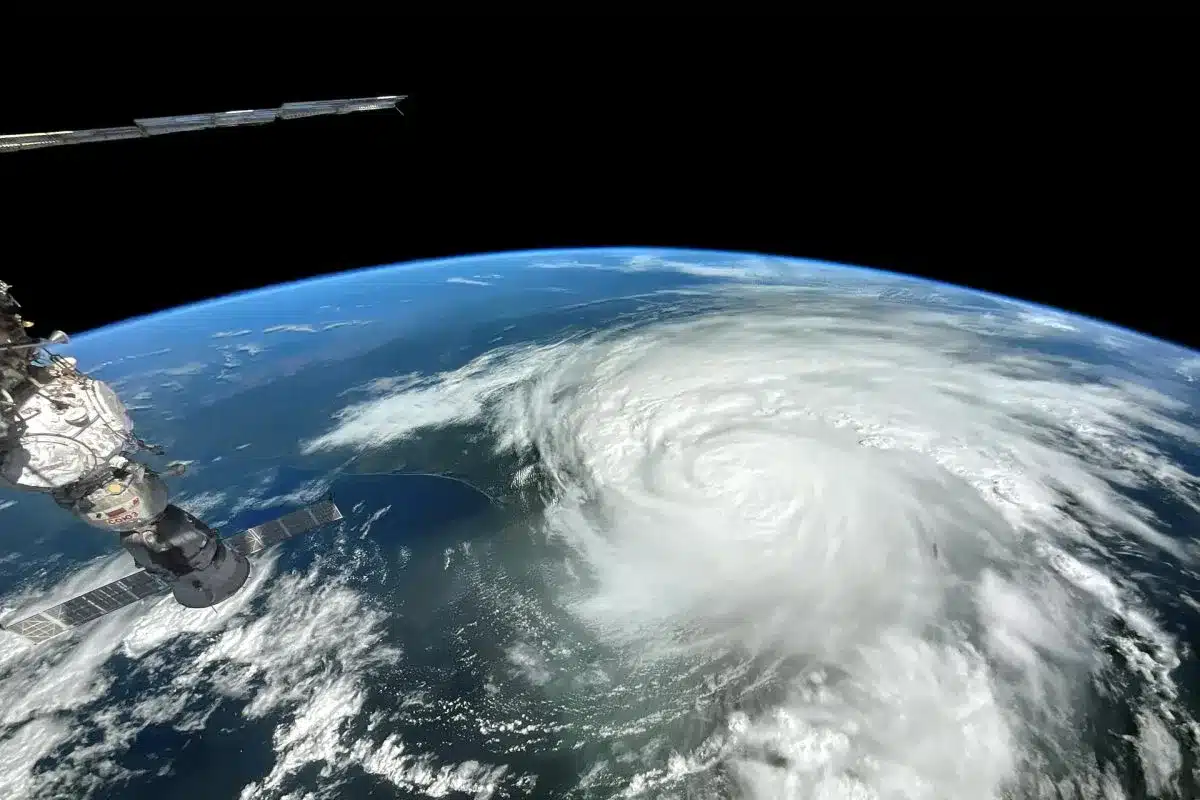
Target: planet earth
630,523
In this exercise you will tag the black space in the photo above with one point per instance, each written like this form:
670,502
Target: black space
1074,190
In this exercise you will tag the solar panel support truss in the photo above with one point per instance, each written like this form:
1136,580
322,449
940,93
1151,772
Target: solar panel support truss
155,126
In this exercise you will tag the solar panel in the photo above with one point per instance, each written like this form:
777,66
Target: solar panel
87,606
152,126
141,584
260,537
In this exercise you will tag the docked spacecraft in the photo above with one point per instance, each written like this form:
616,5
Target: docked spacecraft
67,435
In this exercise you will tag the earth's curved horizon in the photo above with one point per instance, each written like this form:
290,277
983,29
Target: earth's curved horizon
630,251
717,525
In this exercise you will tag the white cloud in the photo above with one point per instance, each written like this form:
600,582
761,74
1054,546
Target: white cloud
259,499
307,658
742,268
1047,320
191,368
565,263
423,402
227,334
1189,369
161,352
468,281
305,328
202,504
345,323
853,476
5,504
250,349
751,269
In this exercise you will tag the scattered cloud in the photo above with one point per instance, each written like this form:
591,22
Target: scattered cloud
227,334
191,368
1189,369
202,504
141,396
565,264
912,444
7,504
290,329
749,268
467,281
1045,320
346,323
745,268
308,328
161,352
131,357
258,500
250,349
299,648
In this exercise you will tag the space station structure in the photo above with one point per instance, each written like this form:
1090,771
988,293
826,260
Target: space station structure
67,435
157,126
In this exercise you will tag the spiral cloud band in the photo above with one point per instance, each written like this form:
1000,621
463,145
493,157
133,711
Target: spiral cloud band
928,521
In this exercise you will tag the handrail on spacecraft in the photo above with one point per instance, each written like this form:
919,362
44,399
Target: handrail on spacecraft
156,126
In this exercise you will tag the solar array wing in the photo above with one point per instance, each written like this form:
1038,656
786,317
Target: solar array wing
87,606
105,599
257,539
154,126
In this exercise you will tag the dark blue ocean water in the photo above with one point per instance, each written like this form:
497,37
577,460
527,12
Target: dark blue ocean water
289,392
231,751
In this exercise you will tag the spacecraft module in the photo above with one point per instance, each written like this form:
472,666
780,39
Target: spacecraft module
67,435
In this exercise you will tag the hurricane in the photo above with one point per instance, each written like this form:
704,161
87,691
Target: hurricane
880,549
621,524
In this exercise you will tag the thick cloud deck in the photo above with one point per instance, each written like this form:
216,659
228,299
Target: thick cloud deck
899,499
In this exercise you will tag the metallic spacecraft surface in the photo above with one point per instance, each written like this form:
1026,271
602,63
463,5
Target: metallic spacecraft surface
59,619
67,435
156,126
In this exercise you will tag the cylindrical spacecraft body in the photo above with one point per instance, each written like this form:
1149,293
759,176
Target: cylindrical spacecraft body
68,427
190,557
130,500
